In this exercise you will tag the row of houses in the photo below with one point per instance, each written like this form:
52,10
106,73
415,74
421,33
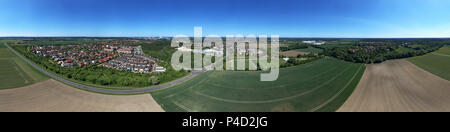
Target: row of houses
124,49
126,58
134,63
115,42
73,55
314,42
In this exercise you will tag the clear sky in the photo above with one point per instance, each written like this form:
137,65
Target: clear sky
287,18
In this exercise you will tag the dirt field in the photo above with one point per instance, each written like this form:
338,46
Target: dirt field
398,85
293,53
52,95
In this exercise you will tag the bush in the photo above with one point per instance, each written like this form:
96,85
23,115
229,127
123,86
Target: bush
154,80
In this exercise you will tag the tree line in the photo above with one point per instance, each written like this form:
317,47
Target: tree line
294,46
377,53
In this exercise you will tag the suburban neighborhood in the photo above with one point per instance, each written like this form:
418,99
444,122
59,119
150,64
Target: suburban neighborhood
126,58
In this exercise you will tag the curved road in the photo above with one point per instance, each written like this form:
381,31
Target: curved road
109,91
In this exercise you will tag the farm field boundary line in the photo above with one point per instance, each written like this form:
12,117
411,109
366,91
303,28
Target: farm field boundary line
337,94
440,54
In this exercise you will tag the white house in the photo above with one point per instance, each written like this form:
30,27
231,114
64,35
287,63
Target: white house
160,69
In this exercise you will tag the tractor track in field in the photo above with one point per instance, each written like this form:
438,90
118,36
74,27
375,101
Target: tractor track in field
274,100
338,93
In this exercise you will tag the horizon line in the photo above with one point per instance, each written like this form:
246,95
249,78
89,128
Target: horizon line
221,36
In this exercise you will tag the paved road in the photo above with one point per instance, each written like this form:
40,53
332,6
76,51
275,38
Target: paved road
109,91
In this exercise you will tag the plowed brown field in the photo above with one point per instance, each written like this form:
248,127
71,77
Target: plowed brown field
398,85
52,95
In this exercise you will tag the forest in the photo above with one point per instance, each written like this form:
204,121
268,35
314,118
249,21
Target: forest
379,50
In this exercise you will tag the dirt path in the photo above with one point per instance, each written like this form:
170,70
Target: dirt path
52,95
398,85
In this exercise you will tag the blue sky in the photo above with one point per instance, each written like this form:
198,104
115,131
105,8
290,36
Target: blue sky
287,18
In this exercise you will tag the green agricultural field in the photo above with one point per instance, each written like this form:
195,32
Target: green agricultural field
437,62
444,50
322,85
15,72
416,46
310,50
